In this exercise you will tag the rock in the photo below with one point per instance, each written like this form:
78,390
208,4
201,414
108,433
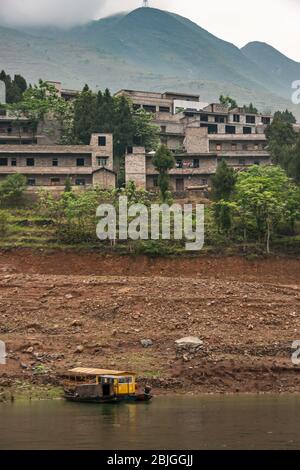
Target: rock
146,343
79,349
23,365
189,342
69,296
29,350
76,323
187,348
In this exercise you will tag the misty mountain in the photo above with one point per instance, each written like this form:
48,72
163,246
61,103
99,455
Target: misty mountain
273,63
153,50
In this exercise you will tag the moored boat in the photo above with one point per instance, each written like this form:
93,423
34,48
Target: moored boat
87,385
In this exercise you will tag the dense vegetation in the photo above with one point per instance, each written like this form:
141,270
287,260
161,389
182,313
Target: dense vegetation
284,144
14,87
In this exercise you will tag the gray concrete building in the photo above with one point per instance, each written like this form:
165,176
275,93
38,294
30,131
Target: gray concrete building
199,138
52,165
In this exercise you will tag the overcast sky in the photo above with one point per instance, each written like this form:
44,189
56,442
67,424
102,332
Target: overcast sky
237,21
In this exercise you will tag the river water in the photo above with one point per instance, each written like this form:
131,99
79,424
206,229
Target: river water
205,422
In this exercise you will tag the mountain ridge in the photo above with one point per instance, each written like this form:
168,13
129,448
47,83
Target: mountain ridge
149,49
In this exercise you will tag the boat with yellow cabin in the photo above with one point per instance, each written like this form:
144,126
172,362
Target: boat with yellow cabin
87,385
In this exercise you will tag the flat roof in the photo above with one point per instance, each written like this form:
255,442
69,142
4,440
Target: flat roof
90,371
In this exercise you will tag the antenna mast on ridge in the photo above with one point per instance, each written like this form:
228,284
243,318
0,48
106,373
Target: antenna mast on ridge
145,3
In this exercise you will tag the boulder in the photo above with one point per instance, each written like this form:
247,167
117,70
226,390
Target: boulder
190,342
187,348
146,343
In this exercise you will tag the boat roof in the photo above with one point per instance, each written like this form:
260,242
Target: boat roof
89,371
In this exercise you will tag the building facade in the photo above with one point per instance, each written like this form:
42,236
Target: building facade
52,165
198,134
199,137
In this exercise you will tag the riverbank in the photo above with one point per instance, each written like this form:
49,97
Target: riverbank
64,309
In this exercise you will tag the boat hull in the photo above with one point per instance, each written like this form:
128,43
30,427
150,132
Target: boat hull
142,398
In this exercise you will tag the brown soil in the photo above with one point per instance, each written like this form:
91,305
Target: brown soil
247,314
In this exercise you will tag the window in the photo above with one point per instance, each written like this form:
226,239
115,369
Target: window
163,128
102,141
212,128
3,161
242,161
219,147
204,117
13,162
196,163
129,150
247,130
31,182
25,130
164,109
136,106
230,129
80,182
155,181
266,120
30,162
55,162
236,118
9,130
220,119
256,147
101,161
2,112
179,164
204,182
233,147
149,109
257,162
164,140
55,181
245,147
125,380
80,162
250,119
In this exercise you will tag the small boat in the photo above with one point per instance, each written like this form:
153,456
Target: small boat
103,386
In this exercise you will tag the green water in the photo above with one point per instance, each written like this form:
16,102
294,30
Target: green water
208,422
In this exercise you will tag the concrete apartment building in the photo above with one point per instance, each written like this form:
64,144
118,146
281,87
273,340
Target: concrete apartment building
199,135
52,165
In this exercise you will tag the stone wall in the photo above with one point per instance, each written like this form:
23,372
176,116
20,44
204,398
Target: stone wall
196,140
135,167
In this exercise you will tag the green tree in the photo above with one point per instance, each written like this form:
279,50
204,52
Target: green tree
287,116
146,133
14,88
12,188
223,182
163,162
282,139
267,195
250,108
38,102
228,102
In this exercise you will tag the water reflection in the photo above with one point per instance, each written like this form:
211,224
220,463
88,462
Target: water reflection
235,422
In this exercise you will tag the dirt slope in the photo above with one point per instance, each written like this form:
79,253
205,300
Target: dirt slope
60,310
